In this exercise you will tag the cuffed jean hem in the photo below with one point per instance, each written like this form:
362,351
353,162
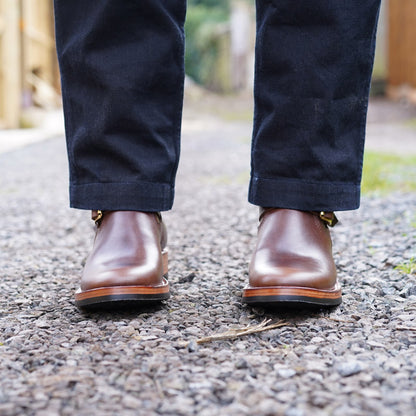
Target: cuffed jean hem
140,196
303,195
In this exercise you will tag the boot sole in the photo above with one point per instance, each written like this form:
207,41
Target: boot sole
295,295
117,295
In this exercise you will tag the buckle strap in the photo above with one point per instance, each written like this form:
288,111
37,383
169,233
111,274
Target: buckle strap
158,217
329,218
97,216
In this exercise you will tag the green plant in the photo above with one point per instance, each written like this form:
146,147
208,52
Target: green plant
203,23
407,267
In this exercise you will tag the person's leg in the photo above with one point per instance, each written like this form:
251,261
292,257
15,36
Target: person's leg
313,71
122,77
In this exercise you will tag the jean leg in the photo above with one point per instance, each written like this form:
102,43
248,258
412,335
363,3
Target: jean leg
122,77
313,69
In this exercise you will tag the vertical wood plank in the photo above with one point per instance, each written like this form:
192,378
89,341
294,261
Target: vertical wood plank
402,43
10,83
39,55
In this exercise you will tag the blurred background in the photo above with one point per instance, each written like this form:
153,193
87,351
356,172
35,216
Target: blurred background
219,53
220,38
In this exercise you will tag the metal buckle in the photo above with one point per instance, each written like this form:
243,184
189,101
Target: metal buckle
328,218
97,215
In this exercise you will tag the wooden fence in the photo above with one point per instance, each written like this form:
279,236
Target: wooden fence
402,49
29,69
28,66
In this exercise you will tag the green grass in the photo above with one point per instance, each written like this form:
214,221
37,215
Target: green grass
243,115
411,123
384,173
408,267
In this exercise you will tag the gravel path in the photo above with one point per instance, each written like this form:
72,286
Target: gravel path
357,359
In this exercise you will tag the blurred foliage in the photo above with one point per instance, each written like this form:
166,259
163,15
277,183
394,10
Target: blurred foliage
219,4
383,173
411,123
204,22
408,267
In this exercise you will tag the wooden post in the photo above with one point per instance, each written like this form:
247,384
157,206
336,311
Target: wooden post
39,50
240,26
10,84
402,52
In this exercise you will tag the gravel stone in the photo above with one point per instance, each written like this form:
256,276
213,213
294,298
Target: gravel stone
357,359
286,372
293,411
349,368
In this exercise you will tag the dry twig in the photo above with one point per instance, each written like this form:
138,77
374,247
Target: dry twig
406,328
235,333
341,321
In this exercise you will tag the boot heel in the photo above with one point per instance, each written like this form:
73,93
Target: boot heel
165,261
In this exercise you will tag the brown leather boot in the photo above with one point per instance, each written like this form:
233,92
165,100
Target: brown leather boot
293,259
129,260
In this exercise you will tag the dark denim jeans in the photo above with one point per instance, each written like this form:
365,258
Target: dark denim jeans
122,83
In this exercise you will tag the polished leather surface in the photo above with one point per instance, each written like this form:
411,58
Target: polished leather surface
294,249
127,251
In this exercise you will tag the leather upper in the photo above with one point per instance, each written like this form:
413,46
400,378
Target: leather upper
127,251
294,248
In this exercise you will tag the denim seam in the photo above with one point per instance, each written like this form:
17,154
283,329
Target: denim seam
65,101
258,69
178,121
332,183
124,183
367,93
